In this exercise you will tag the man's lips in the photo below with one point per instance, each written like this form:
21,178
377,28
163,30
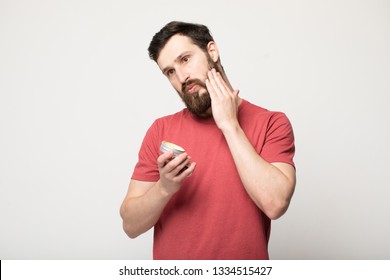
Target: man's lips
191,88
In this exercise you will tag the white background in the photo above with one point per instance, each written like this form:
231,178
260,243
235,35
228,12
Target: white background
78,92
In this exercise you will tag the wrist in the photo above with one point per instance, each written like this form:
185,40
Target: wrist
230,128
163,191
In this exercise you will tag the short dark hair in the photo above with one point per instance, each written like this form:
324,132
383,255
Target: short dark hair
198,33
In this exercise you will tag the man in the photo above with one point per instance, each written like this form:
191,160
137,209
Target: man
239,171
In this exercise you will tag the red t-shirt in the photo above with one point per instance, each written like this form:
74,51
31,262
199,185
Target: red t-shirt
212,216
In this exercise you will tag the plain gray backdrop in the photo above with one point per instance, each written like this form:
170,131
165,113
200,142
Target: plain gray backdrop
78,92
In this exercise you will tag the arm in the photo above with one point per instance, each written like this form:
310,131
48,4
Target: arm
270,186
145,201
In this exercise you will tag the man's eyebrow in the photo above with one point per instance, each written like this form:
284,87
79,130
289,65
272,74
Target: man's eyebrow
180,56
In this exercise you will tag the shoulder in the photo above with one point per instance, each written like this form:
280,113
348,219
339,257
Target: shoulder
168,120
255,112
172,117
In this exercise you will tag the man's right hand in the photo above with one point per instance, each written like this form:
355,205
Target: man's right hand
145,201
173,171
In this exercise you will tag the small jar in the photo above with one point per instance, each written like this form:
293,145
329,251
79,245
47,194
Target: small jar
167,146
177,150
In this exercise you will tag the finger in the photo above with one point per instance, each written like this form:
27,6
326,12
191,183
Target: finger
210,89
174,164
181,167
213,83
164,158
187,172
220,83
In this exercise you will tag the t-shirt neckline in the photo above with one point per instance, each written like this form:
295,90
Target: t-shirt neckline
211,120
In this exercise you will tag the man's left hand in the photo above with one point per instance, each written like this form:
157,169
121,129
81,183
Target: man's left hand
224,101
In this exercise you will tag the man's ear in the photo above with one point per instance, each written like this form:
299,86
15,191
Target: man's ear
212,50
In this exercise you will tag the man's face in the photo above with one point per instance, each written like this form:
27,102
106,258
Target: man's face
186,67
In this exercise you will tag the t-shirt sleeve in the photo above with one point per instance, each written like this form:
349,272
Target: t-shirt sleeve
146,168
279,143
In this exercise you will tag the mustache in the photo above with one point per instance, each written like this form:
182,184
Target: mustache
192,82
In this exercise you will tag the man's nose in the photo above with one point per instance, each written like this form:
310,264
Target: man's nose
182,75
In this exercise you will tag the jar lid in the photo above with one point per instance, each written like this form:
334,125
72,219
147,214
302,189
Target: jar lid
168,146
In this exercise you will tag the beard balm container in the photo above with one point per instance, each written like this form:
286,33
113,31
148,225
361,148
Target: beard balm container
177,150
167,146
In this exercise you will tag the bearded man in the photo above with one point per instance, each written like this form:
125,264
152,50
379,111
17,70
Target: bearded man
217,199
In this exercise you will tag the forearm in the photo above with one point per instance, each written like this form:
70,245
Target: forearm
140,213
266,184
145,201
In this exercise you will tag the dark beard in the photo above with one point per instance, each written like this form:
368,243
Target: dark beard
197,104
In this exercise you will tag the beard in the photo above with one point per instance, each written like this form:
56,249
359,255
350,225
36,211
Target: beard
198,103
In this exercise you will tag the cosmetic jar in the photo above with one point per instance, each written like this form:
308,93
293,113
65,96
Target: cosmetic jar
167,146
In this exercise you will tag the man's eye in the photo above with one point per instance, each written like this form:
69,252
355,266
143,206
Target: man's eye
170,72
186,58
